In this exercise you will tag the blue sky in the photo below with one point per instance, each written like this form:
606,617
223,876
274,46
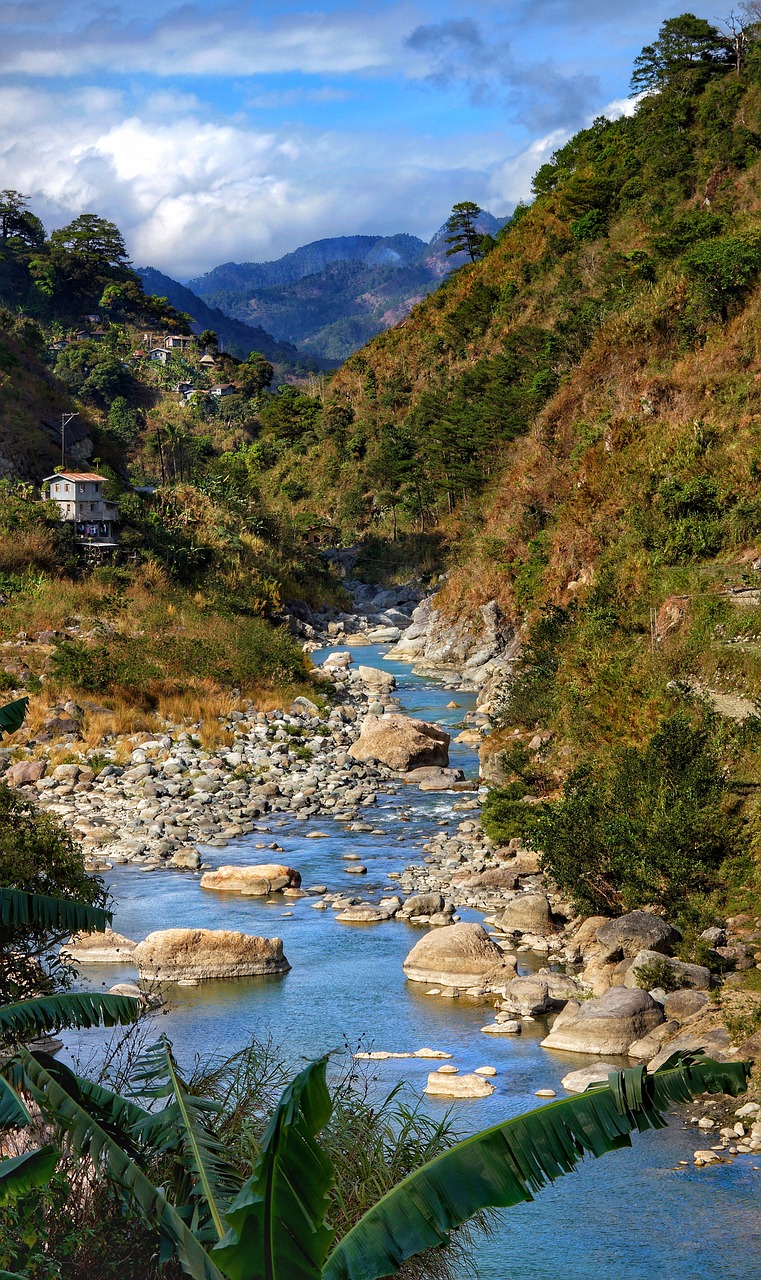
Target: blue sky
234,131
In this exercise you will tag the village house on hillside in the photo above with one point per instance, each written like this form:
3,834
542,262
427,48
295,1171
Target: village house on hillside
79,498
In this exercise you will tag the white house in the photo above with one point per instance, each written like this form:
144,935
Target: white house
79,498
161,354
177,342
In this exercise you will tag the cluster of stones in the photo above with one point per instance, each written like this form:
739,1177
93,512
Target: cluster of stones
172,795
377,616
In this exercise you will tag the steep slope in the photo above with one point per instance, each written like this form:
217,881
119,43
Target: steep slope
332,296
237,337
579,414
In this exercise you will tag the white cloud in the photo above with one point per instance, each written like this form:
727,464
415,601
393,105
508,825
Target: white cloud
189,192
191,40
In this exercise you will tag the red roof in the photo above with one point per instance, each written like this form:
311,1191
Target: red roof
75,475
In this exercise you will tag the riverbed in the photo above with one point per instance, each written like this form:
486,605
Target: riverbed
631,1215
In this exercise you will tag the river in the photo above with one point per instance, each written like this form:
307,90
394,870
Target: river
633,1214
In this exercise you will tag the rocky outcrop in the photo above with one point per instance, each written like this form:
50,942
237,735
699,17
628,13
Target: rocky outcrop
401,743
254,882
462,955
635,932
176,955
99,948
608,1024
473,650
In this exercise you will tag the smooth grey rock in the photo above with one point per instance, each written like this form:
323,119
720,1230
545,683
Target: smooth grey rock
608,1024
635,932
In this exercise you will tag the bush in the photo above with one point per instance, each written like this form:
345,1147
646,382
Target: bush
37,855
649,828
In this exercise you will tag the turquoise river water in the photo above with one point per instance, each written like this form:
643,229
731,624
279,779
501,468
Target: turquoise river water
631,1215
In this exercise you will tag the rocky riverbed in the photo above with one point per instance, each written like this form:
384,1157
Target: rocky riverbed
171,803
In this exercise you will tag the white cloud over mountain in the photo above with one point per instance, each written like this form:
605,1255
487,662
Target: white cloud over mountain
212,132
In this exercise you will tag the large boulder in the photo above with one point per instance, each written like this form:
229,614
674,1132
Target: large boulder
527,913
99,948
609,1024
174,955
255,882
527,996
23,772
377,680
687,975
401,743
685,1003
422,904
635,932
433,779
595,1073
714,1042
462,955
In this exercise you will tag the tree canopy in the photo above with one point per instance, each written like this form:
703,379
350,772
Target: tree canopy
688,51
461,225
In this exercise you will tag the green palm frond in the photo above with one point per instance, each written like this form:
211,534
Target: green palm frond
12,715
38,911
46,1014
277,1224
87,1137
13,1113
26,1172
507,1164
184,1127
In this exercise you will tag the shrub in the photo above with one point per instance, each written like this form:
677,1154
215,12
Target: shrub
37,855
647,828
658,973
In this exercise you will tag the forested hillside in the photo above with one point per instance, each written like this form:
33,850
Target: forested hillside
579,414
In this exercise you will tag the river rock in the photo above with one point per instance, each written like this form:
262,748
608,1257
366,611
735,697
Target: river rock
377,680
461,955
635,932
455,1086
494,878
594,1073
715,1042
255,881
422,904
432,779
608,1024
685,1003
365,914
688,975
23,772
170,955
401,743
527,996
527,913
100,948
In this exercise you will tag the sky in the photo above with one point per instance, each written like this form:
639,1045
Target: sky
215,132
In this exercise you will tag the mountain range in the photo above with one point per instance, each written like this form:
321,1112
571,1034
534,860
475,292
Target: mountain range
328,297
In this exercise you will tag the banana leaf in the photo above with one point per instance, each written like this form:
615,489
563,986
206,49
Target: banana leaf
87,1137
38,911
12,715
277,1228
13,1113
46,1014
184,1128
27,1172
508,1163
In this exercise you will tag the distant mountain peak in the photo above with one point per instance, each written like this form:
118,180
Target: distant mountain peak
332,295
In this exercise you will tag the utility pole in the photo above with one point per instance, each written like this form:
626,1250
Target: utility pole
65,420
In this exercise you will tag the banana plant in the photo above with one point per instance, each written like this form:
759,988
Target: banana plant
12,716
275,1226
